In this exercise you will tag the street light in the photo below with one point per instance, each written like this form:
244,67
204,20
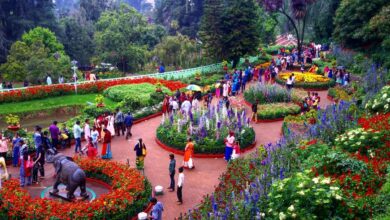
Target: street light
74,68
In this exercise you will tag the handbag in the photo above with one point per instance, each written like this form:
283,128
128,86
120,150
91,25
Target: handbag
144,151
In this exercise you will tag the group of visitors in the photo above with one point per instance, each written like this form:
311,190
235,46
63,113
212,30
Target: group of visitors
312,101
340,75
181,101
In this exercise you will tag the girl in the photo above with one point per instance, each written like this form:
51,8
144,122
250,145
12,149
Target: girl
229,142
25,165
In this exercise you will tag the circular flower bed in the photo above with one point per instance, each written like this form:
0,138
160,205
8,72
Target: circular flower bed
306,80
208,128
130,193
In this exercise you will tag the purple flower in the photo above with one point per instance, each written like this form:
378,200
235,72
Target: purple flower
171,119
191,116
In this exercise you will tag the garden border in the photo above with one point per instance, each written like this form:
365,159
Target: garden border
179,152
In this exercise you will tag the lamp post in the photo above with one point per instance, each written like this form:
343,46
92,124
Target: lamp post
74,68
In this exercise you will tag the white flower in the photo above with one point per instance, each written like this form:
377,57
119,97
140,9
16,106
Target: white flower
291,208
338,197
294,215
386,106
334,188
269,210
384,95
301,193
316,180
358,143
282,216
301,185
325,181
262,214
388,99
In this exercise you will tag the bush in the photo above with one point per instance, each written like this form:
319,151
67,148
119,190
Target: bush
359,139
142,91
380,102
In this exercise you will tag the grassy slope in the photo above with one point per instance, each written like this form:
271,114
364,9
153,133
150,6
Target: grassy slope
50,103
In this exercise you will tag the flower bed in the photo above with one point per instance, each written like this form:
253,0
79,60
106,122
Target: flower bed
340,93
207,128
307,80
130,193
277,110
381,101
39,92
265,93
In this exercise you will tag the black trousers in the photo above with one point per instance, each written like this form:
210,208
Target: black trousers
118,128
38,167
172,176
180,194
128,132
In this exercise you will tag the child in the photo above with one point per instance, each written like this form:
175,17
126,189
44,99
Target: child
25,165
236,150
91,150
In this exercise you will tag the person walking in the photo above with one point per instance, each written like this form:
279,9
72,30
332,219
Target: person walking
54,134
188,152
25,165
119,118
106,150
77,136
158,208
180,183
128,123
172,168
48,80
140,152
39,163
16,149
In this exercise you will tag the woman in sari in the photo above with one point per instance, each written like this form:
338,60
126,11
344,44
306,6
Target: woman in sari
188,152
106,149
229,144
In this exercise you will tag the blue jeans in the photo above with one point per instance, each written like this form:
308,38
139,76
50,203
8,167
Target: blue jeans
77,145
23,176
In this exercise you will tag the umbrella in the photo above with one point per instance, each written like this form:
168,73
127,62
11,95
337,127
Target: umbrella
193,87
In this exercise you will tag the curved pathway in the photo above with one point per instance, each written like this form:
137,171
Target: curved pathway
198,182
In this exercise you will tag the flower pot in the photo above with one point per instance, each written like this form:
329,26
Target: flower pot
158,90
100,105
197,78
13,127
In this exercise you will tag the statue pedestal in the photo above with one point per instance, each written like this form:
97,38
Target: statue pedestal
63,194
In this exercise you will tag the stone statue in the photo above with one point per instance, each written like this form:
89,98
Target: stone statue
70,174
3,171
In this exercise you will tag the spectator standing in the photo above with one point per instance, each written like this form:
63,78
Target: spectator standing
128,124
77,136
106,150
87,130
119,119
172,168
37,136
180,183
48,80
54,134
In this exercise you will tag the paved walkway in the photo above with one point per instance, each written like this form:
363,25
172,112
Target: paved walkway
198,182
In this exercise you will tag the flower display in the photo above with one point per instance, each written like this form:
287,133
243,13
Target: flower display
266,93
207,127
277,110
380,102
130,192
12,120
38,92
359,140
304,77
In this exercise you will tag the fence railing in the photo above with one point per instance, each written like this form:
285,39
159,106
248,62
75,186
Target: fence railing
173,75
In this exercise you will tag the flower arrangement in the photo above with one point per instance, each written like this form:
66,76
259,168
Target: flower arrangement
207,127
380,102
358,140
12,120
130,192
39,92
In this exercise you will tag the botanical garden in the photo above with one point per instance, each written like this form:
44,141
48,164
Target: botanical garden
196,109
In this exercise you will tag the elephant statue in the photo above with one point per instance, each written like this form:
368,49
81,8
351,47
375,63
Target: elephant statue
70,174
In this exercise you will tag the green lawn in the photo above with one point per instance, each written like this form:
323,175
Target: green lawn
50,103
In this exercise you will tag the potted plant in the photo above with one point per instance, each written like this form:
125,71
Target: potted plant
99,101
197,76
158,87
13,122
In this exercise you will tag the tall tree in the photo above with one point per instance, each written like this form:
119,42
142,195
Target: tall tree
37,54
186,13
123,37
296,11
17,17
230,33
94,8
210,28
322,20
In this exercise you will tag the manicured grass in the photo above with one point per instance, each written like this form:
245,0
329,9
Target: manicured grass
50,103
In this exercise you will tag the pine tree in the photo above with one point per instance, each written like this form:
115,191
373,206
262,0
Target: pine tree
210,28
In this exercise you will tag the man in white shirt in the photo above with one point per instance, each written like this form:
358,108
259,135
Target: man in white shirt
48,80
175,105
180,183
87,130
